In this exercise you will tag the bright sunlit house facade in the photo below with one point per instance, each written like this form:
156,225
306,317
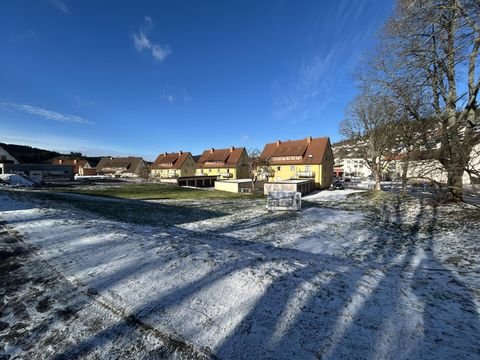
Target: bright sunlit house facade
309,158
173,165
228,163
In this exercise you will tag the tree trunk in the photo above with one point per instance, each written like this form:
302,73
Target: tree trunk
405,175
378,177
455,182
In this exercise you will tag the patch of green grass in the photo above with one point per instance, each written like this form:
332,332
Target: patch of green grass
376,196
161,191
136,212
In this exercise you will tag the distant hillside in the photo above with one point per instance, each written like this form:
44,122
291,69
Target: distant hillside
28,154
347,149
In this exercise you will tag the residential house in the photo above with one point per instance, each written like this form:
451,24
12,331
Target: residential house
355,167
78,165
173,165
6,157
309,158
122,166
228,163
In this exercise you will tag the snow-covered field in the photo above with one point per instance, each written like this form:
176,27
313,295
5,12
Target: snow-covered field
342,279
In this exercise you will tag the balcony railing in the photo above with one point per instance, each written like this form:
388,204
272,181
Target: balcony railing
226,175
305,174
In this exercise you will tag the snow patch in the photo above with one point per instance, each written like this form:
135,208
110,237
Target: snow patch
14,180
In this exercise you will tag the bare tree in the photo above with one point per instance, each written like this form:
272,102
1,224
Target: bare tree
437,42
257,166
368,123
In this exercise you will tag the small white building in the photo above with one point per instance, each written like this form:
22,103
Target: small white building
354,167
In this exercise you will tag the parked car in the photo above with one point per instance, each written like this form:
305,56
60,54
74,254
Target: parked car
337,185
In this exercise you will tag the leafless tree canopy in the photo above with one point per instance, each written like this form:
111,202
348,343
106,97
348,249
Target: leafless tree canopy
369,123
426,66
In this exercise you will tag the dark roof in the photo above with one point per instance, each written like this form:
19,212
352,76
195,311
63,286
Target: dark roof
220,158
196,157
170,161
125,164
312,151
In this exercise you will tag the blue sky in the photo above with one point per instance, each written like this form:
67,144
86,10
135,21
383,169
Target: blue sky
144,77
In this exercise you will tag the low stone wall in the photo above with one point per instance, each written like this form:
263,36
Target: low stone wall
227,186
303,187
240,185
167,181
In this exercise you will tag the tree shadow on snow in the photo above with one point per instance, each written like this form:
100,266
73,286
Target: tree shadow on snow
398,302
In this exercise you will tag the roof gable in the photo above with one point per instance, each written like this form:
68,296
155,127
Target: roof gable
76,163
291,152
221,158
119,164
170,161
6,156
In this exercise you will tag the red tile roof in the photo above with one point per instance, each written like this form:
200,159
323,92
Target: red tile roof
170,161
293,152
220,158
76,163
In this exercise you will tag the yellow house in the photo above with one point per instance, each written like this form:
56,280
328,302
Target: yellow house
224,163
173,165
310,158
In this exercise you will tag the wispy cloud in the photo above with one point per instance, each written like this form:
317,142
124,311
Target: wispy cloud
171,96
60,5
143,43
326,66
310,91
44,113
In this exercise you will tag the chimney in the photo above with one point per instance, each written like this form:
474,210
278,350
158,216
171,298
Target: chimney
180,152
278,143
60,161
212,150
309,140
75,161
165,153
232,148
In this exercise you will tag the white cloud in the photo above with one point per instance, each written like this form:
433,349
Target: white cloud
46,114
142,42
171,96
160,53
168,97
60,5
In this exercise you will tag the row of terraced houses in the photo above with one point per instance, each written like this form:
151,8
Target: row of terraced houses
308,162
306,159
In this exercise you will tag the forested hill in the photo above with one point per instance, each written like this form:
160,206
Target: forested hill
28,154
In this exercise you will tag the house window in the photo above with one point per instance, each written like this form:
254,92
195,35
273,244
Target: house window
278,168
292,168
209,170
